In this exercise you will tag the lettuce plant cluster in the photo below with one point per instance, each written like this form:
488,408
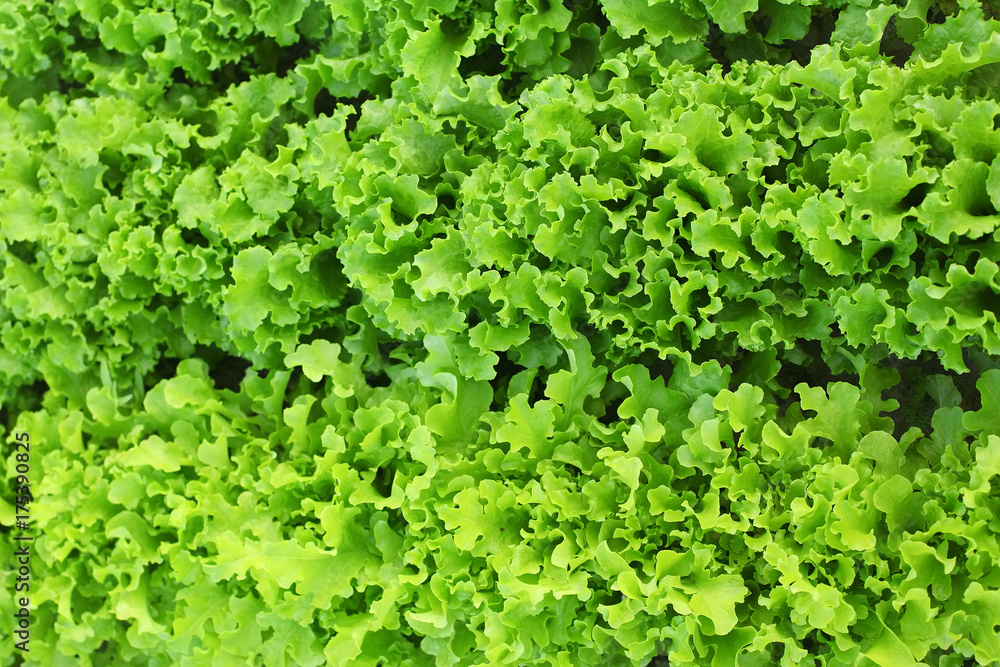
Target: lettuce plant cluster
446,332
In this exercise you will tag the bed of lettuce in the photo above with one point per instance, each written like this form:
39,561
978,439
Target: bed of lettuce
450,332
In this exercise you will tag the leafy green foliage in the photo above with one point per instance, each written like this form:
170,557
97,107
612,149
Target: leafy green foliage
459,333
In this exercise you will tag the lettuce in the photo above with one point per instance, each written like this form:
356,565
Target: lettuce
461,333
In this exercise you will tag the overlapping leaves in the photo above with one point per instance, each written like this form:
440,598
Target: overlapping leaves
541,333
